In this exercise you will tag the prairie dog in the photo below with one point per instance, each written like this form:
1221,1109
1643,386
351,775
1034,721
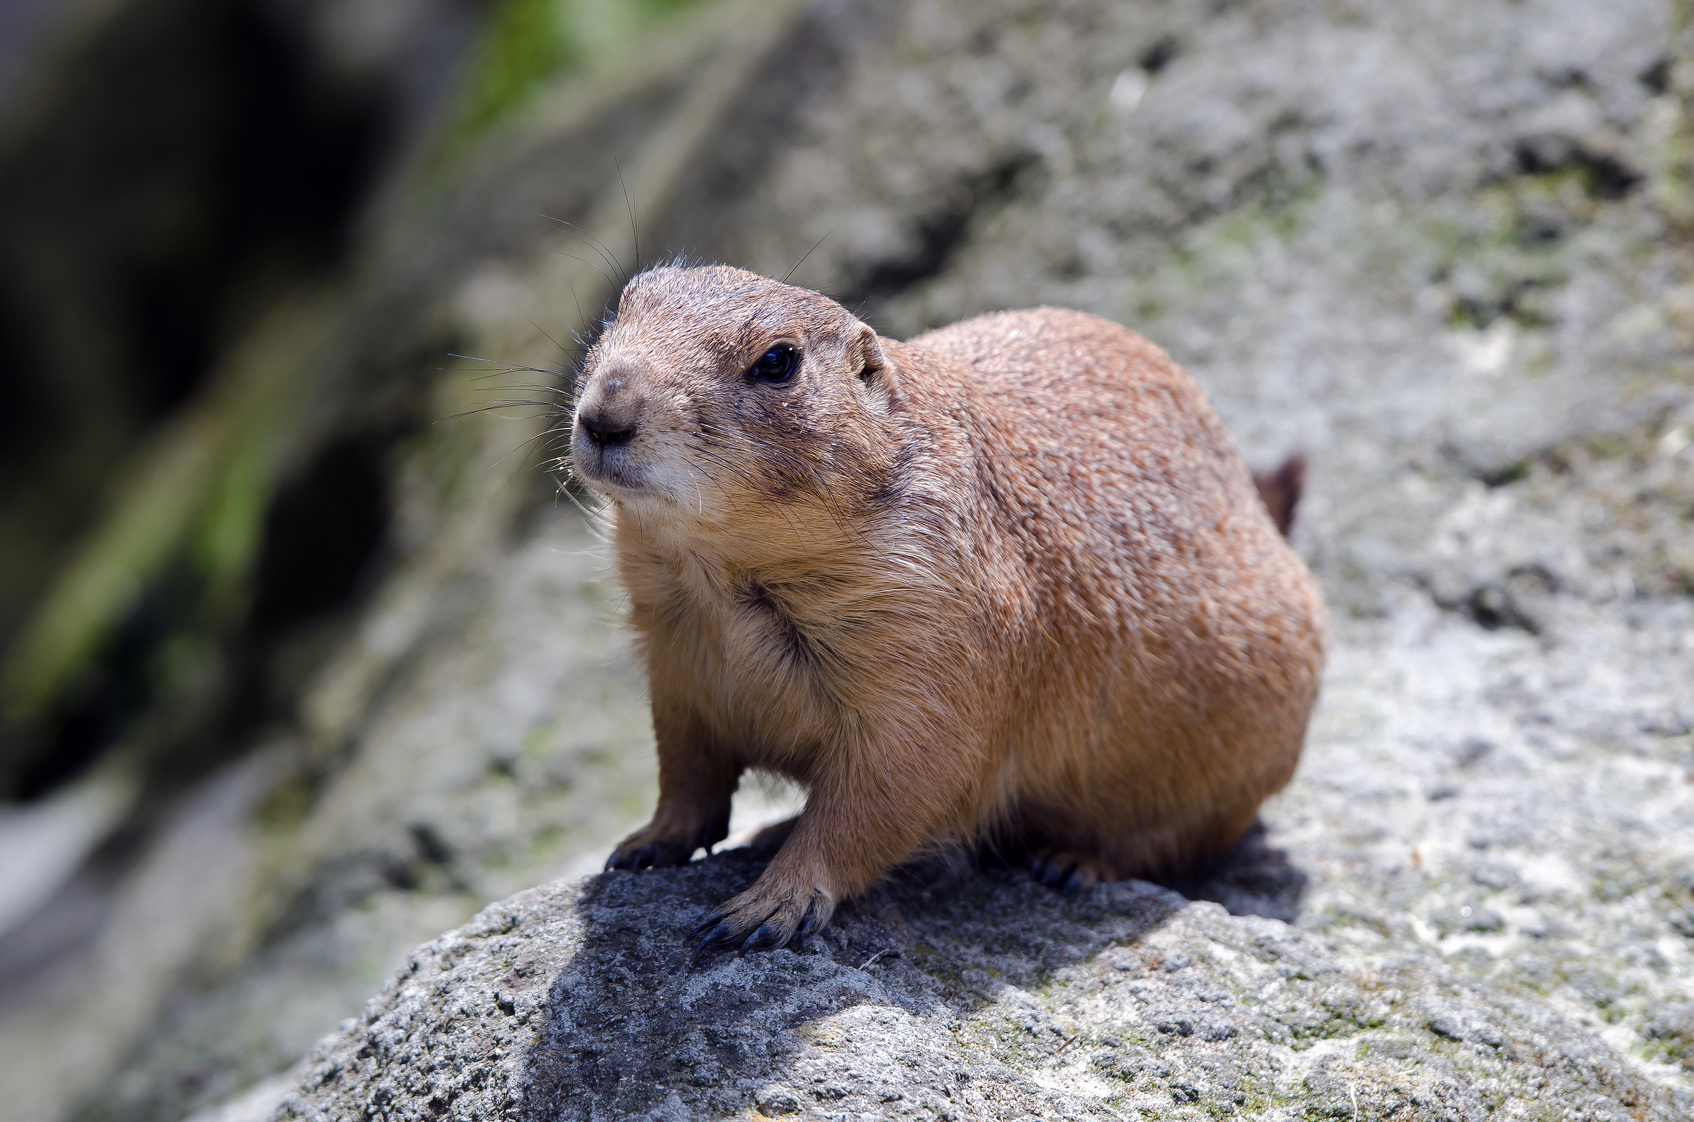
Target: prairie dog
1009,581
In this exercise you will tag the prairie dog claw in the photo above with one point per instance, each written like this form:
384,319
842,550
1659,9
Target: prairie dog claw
765,917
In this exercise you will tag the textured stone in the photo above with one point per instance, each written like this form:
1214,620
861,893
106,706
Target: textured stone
977,995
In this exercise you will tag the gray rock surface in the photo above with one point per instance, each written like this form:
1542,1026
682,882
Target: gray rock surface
1445,248
974,998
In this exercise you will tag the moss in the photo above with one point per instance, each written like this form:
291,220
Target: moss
196,495
1670,1035
225,538
1281,211
1221,249
103,585
538,741
526,43
287,805
1513,261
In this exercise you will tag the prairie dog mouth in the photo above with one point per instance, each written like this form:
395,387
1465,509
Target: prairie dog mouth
613,468
650,470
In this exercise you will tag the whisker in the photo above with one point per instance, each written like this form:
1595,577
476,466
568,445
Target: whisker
558,391
575,336
591,241
507,367
523,447
547,409
808,253
634,231
593,515
580,318
545,333
608,277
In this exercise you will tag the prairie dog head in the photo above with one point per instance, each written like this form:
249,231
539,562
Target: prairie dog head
716,396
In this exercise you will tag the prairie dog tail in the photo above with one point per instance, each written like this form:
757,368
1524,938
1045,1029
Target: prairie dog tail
1280,489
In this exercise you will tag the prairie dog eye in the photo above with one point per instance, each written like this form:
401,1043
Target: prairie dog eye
776,365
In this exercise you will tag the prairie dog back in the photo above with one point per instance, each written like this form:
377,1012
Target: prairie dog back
1191,627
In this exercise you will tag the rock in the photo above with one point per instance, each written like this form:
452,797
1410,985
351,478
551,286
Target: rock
79,1013
256,1104
979,996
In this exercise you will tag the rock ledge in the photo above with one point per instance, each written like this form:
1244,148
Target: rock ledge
977,996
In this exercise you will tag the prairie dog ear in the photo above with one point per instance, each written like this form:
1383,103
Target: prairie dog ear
870,363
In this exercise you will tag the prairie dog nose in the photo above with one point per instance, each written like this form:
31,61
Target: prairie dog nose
607,428
611,406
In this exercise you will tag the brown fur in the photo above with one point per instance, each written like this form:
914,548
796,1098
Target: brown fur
1009,580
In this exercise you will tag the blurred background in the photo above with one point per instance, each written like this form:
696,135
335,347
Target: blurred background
305,654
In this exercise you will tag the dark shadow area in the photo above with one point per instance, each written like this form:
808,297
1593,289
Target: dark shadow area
117,687
197,159
941,232
322,544
1254,878
1601,174
634,1017
1251,878
322,532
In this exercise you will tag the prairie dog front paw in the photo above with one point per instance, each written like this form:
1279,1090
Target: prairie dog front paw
657,846
775,912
